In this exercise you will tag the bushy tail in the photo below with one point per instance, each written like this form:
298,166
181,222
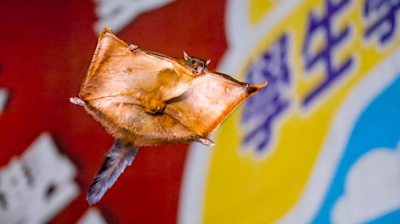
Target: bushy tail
119,157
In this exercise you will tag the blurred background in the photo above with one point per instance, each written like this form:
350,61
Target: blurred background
320,144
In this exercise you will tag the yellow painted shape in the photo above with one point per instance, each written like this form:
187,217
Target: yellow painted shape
258,9
243,187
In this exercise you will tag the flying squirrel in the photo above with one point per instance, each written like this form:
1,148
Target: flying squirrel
144,98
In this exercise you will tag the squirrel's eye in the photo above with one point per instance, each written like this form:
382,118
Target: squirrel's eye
193,61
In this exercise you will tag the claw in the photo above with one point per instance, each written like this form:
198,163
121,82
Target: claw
132,47
206,141
77,101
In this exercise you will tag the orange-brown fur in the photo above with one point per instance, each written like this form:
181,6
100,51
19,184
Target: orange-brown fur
147,98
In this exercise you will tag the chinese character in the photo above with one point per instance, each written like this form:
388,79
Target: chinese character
380,16
324,24
262,110
119,13
36,187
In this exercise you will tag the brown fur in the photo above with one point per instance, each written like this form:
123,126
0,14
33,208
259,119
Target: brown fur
138,95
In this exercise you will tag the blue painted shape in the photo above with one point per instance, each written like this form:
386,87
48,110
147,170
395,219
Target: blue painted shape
391,217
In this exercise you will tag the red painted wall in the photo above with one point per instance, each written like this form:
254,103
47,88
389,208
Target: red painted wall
45,49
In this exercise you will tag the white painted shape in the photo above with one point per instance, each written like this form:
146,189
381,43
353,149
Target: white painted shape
332,151
92,216
193,184
25,184
119,13
372,188
3,99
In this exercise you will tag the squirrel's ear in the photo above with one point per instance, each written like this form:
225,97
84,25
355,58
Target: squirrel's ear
186,56
208,61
